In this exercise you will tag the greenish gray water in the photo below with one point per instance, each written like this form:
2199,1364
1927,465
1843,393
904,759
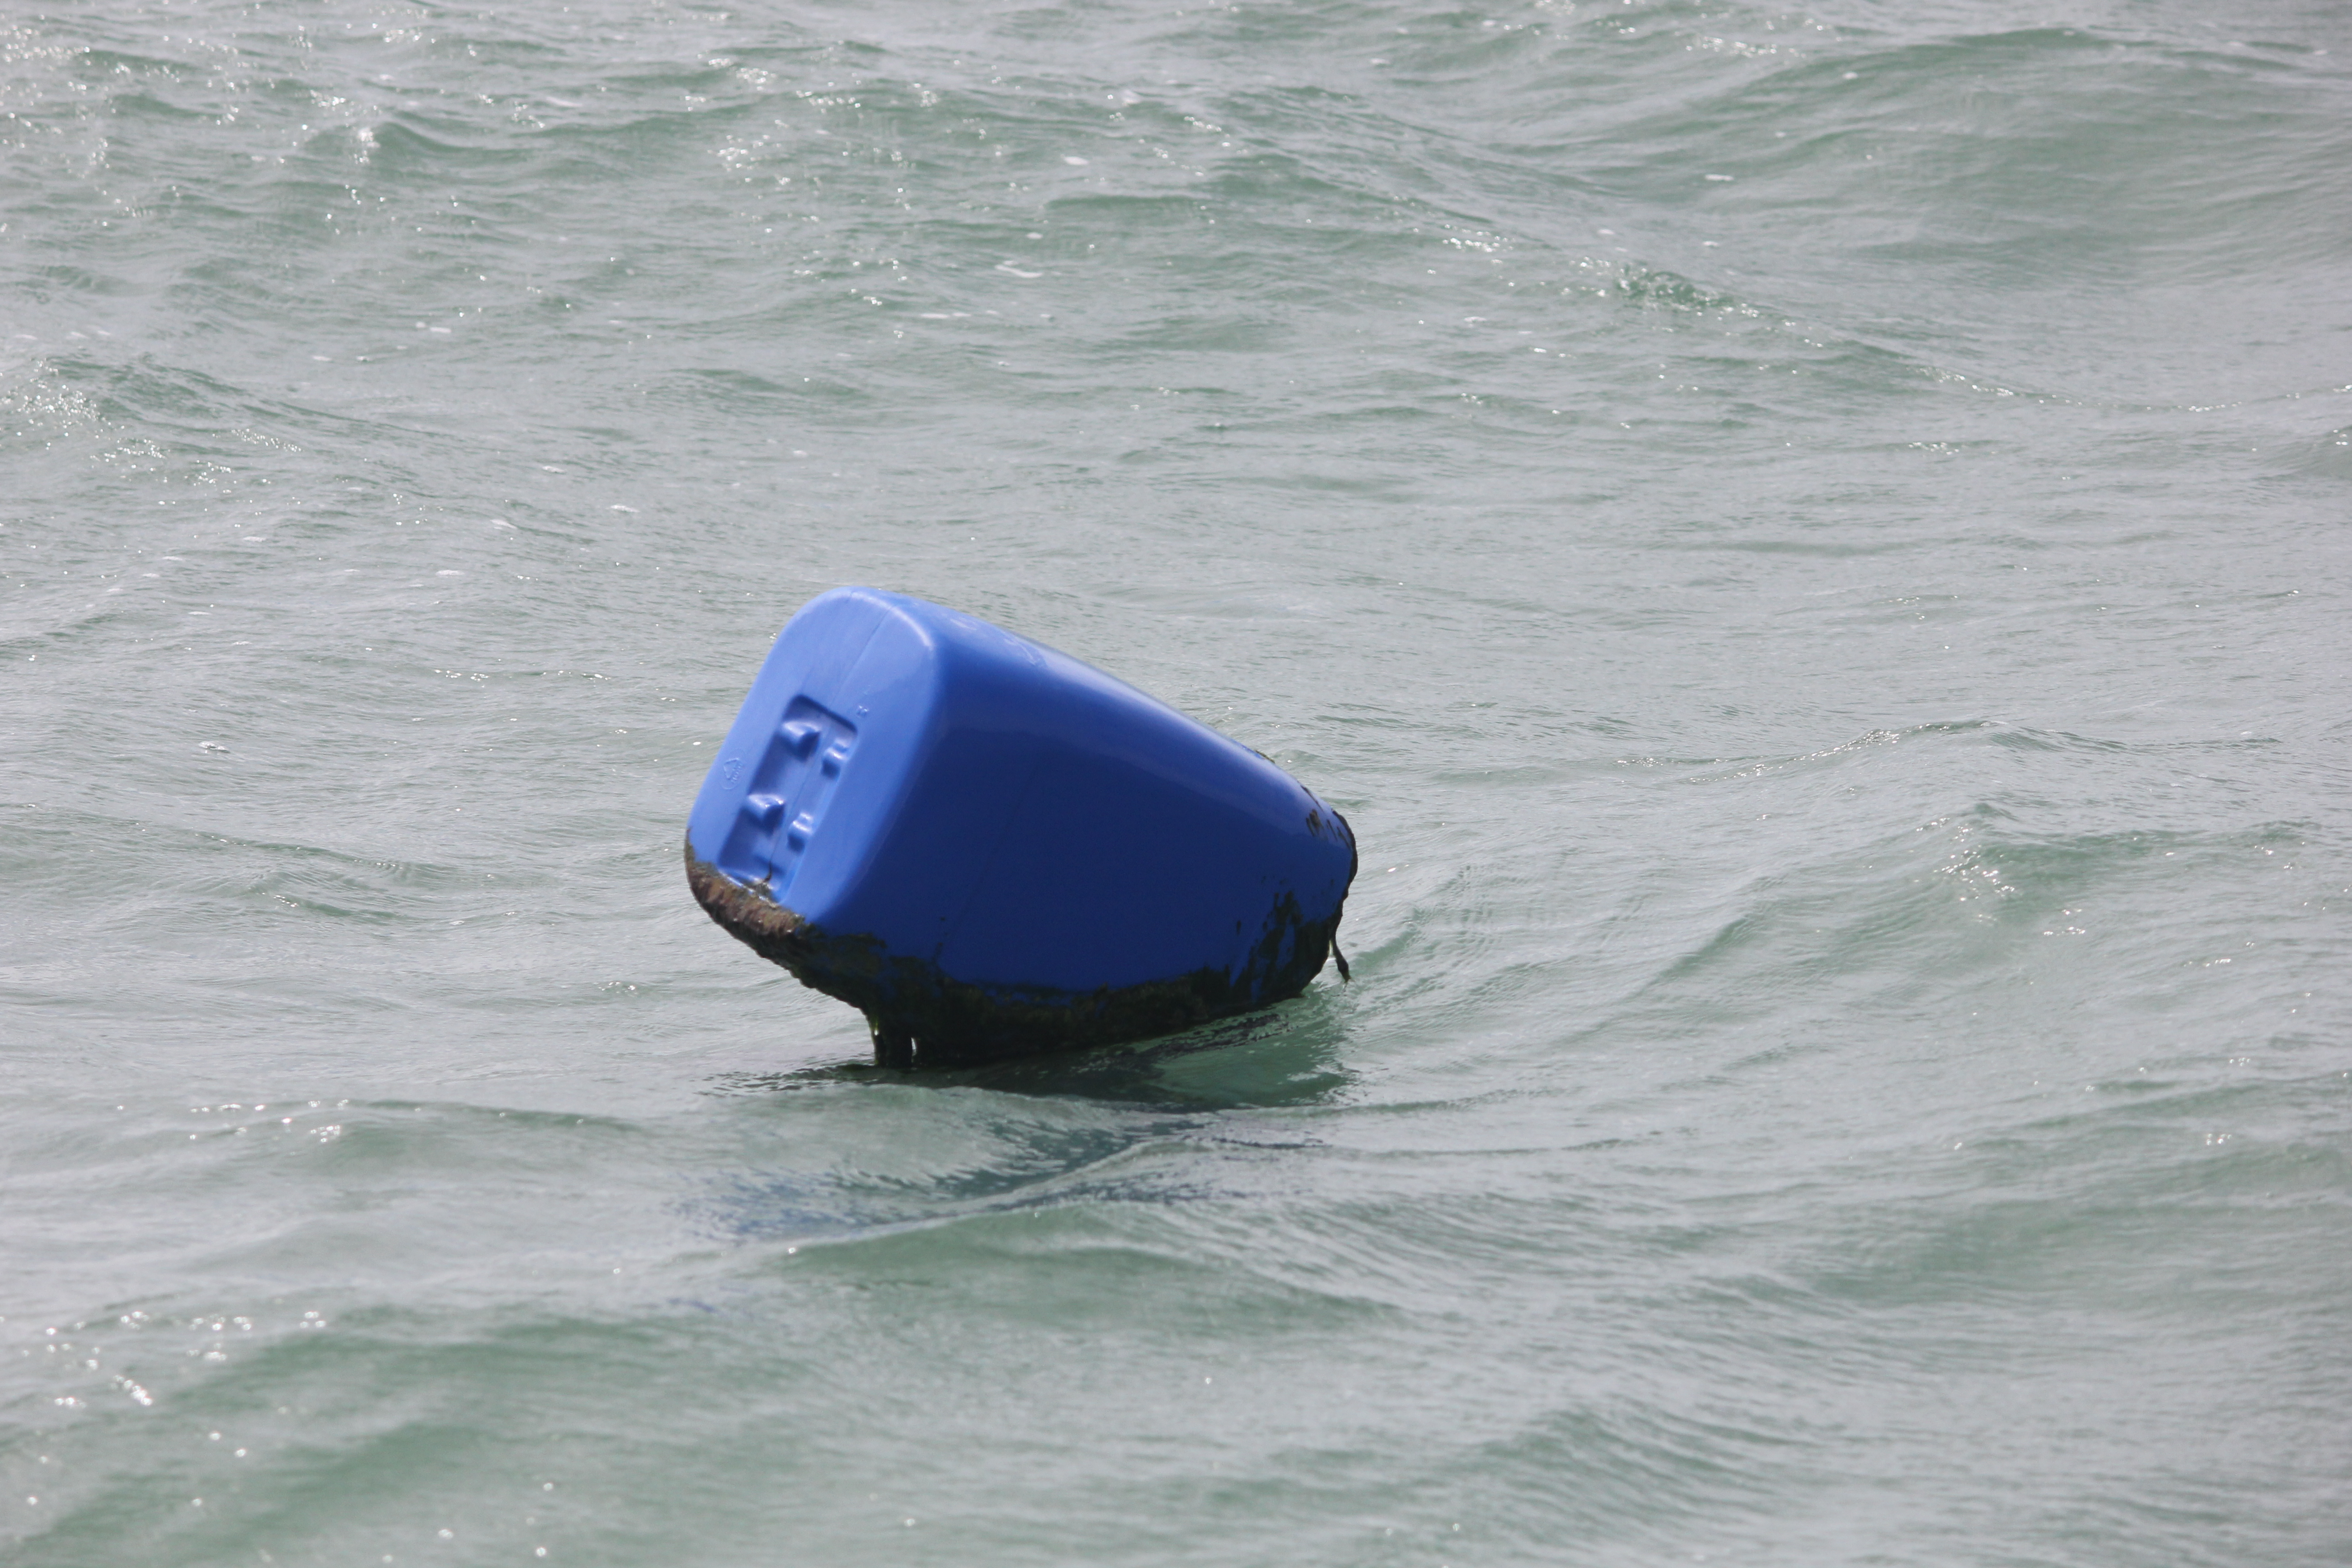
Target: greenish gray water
1810,544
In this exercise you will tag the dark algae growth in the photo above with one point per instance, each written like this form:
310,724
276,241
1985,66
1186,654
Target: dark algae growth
924,1018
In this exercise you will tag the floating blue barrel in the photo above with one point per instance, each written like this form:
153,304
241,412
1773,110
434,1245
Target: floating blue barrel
990,849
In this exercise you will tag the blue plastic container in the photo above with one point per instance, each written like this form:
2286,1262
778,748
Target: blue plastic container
990,849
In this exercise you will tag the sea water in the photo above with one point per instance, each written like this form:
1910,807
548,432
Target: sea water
1808,541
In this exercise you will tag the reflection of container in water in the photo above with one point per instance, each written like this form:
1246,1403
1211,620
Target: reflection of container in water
990,849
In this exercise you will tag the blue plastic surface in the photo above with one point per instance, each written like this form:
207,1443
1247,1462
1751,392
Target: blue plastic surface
989,846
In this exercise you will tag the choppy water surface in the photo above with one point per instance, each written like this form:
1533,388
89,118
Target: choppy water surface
1810,544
